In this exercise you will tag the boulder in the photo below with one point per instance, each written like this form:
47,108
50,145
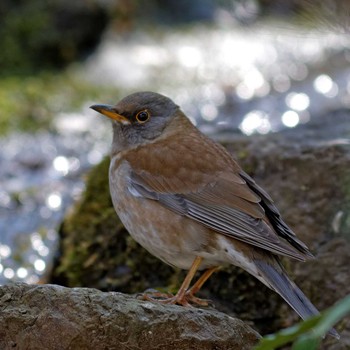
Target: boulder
52,317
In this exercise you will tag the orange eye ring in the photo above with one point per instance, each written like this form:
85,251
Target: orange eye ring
142,116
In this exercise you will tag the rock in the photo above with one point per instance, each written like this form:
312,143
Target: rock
54,317
305,170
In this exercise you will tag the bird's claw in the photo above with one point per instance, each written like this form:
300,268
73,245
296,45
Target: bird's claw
187,300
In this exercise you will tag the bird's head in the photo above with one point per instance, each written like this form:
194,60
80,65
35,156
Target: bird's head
139,118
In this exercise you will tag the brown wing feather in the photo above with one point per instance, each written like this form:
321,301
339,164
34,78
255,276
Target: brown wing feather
184,167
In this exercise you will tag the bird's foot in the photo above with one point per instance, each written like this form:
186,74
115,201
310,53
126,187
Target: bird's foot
187,299
170,300
195,300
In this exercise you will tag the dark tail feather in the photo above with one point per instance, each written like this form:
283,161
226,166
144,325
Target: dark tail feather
278,280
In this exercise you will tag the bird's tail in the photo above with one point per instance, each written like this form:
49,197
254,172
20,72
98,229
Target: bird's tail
276,278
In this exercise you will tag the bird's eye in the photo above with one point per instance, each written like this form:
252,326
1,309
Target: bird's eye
142,116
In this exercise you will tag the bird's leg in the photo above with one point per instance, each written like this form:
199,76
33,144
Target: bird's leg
180,297
197,286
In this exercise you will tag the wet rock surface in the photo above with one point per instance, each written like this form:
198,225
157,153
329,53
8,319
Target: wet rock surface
53,317
304,169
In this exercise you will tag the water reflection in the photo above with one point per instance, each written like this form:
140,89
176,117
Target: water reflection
5,251
94,157
190,56
290,119
36,240
281,83
323,84
326,86
22,272
271,69
9,273
54,201
61,164
39,265
298,101
255,121
4,199
209,112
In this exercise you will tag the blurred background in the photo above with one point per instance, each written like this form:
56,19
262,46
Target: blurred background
235,67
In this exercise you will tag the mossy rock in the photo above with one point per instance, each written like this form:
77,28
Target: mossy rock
308,176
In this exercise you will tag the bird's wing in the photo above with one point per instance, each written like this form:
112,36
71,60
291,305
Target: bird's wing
215,192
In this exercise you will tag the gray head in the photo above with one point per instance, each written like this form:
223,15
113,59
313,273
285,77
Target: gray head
138,118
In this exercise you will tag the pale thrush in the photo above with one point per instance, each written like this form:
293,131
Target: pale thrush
187,201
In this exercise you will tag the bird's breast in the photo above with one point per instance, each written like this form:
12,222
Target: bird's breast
172,238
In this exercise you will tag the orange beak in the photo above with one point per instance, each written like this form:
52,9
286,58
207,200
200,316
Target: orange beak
110,112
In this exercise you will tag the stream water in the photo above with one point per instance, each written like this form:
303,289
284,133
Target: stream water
228,79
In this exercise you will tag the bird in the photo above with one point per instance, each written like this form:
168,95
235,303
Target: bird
186,200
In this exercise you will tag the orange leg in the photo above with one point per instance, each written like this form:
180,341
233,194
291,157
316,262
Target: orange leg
198,285
179,298
185,295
